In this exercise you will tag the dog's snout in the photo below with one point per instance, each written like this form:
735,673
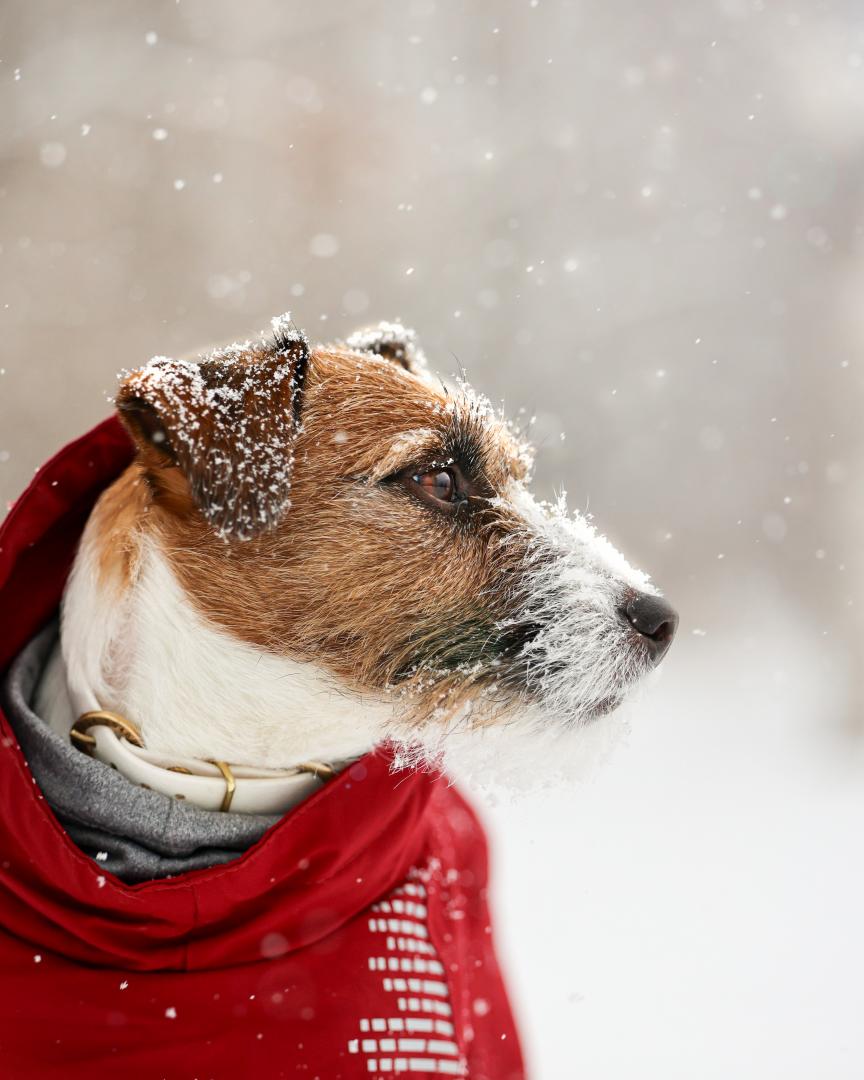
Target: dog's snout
654,619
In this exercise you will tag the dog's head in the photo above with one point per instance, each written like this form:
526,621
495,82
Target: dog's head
339,506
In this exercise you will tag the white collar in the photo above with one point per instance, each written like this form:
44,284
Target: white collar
209,785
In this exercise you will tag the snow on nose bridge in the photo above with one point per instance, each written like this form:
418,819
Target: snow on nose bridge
571,554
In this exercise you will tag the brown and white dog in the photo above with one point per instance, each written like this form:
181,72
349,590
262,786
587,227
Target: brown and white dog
317,550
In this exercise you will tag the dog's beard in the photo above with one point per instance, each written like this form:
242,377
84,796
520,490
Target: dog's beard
528,753
502,753
524,747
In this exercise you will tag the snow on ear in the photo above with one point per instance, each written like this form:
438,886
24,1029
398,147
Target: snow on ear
391,341
228,422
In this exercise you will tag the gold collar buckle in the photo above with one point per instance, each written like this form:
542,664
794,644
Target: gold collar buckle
122,728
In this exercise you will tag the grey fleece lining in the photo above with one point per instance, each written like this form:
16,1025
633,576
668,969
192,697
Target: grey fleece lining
134,833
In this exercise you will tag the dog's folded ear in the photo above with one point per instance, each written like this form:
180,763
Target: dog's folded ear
221,431
390,341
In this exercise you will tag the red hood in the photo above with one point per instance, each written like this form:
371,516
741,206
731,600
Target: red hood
322,864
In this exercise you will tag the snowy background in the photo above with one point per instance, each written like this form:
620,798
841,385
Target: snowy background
641,222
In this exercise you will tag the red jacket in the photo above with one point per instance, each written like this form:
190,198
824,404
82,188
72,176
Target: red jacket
351,941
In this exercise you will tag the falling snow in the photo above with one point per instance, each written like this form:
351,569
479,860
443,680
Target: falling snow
654,243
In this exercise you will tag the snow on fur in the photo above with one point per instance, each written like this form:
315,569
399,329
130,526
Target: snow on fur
389,339
230,419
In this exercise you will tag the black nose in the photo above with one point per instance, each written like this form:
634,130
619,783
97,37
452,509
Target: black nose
654,619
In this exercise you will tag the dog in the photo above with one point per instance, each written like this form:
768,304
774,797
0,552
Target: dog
303,568
337,546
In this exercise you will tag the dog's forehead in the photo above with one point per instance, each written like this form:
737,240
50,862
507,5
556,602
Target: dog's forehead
371,407
355,381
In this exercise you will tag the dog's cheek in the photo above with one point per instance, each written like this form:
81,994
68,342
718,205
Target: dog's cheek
403,602
469,647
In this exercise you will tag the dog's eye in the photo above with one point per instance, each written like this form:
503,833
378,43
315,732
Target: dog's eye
443,489
438,484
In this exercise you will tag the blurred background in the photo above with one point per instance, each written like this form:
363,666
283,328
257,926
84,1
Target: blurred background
642,224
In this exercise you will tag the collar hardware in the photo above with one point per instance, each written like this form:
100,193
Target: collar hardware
209,784
230,784
122,728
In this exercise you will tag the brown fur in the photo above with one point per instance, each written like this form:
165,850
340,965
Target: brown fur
115,523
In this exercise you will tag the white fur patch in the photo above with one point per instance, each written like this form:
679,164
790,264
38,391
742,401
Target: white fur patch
196,691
